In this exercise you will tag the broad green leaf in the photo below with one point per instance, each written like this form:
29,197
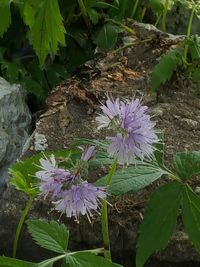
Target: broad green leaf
49,235
86,259
106,37
23,172
5,16
191,215
10,262
34,88
159,221
94,15
29,11
163,71
11,70
48,31
132,179
187,164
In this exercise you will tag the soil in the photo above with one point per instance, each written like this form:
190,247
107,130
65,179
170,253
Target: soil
70,112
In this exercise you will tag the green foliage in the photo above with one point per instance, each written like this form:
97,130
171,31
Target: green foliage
191,215
47,30
187,164
132,179
163,71
88,259
106,37
23,172
10,262
5,16
49,235
159,221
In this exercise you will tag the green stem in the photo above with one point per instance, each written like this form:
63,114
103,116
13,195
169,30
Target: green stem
104,214
128,29
189,32
134,9
165,15
143,13
84,13
20,224
158,19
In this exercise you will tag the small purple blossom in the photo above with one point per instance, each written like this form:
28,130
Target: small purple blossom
83,198
135,130
88,153
52,178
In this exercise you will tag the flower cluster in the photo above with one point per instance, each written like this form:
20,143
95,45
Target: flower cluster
135,134
69,193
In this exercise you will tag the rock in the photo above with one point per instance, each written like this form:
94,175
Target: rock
15,119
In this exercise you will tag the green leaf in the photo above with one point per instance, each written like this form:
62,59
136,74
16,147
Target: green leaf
132,179
187,164
191,215
11,70
47,30
10,262
194,46
159,221
86,259
5,16
23,172
106,37
49,235
163,71
158,6
196,76
56,73
94,15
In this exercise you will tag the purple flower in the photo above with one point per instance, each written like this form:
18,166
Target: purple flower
135,131
52,178
83,198
88,153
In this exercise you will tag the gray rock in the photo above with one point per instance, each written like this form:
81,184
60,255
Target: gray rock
15,119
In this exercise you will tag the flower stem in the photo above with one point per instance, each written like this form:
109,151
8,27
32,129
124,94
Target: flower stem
104,215
20,224
84,14
134,9
165,15
189,32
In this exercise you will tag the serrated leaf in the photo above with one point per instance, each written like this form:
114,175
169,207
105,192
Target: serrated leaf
163,71
191,215
10,262
47,31
132,179
86,259
106,37
187,164
159,221
5,16
49,235
50,262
